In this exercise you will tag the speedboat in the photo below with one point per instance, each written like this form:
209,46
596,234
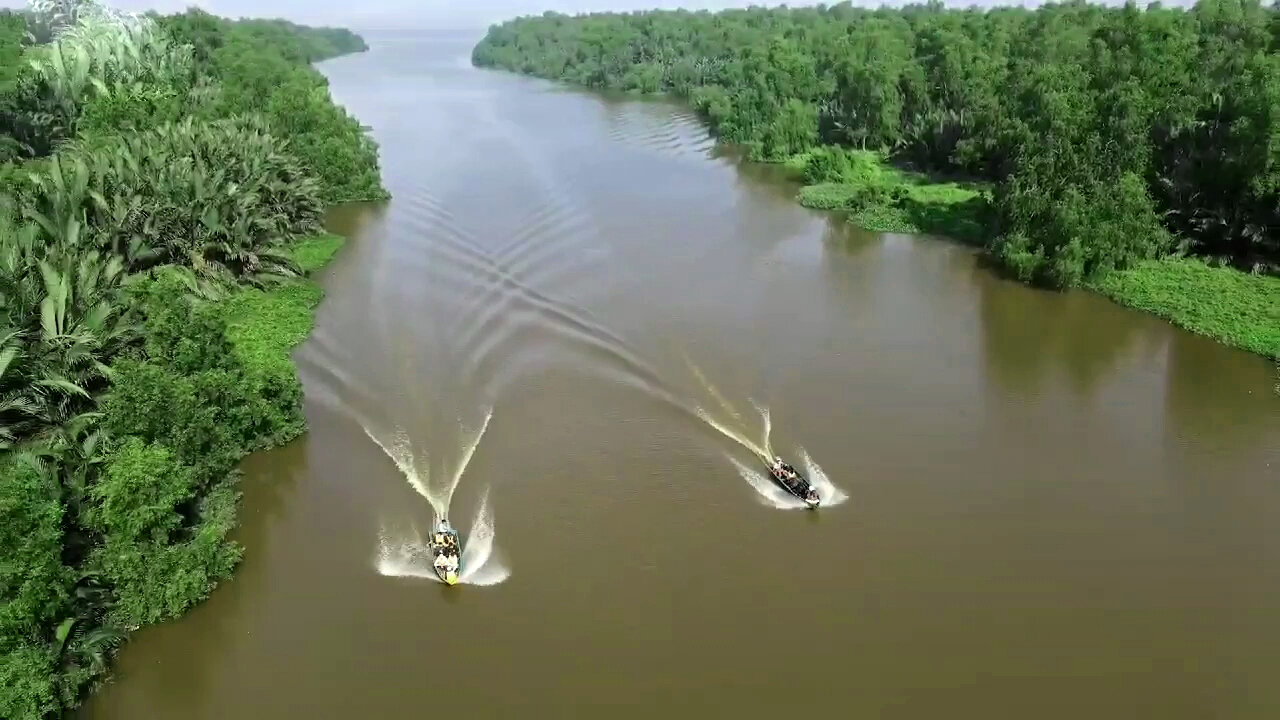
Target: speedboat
795,483
445,552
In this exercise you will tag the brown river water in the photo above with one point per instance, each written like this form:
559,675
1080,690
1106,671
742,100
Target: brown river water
1039,505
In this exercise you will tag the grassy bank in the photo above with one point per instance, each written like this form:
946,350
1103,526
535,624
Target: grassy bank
265,325
162,186
1232,307
879,197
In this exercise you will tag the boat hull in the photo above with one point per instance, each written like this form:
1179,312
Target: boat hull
798,486
446,549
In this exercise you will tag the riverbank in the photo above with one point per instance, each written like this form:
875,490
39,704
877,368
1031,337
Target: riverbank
177,424
1232,307
155,264
265,325
1235,308
876,196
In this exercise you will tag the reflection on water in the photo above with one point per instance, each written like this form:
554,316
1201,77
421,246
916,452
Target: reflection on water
1203,409
1039,334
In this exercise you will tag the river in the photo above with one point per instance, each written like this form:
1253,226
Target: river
1053,507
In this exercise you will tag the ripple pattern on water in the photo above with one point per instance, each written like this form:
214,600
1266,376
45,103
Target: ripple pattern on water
660,129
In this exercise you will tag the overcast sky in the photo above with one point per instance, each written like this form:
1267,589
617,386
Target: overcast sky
452,14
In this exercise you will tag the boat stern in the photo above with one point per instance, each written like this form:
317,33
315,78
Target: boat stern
446,566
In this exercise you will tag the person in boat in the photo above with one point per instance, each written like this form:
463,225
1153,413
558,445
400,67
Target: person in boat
782,470
443,535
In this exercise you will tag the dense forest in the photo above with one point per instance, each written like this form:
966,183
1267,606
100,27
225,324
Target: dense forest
1108,136
162,181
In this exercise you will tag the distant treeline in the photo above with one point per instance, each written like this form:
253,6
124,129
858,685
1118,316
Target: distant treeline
296,43
1112,135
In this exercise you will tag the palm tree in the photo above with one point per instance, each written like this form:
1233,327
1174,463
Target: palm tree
221,198
61,321
92,52
84,640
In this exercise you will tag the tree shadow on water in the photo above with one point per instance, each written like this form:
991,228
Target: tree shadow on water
970,221
1030,333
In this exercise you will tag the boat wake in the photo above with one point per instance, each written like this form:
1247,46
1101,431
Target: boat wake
763,450
827,490
771,494
408,554
413,464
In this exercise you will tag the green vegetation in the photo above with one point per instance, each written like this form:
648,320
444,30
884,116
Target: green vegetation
264,325
1102,139
880,197
162,181
1234,307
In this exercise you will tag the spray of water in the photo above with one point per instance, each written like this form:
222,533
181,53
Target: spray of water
481,564
404,555
827,490
462,466
712,389
767,419
400,449
734,435
771,494
762,449
413,464
408,554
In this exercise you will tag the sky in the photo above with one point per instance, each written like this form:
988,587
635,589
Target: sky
448,14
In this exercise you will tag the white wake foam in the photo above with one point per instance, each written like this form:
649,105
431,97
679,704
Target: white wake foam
408,554
770,493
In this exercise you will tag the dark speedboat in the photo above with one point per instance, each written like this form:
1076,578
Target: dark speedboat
446,552
795,483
